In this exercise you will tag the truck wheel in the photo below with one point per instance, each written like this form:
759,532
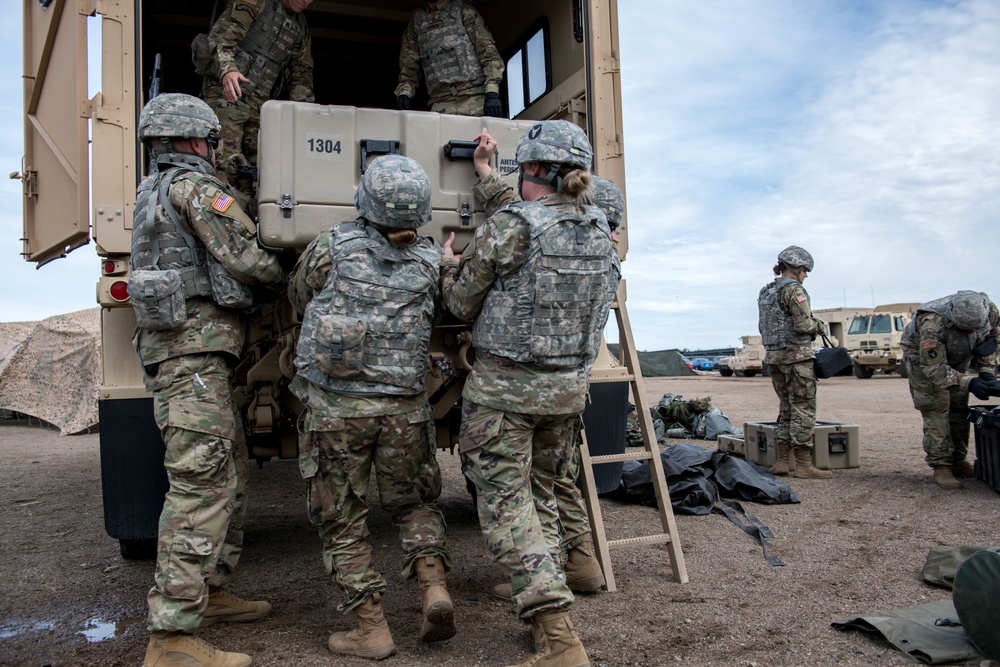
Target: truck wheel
749,373
143,549
726,372
863,372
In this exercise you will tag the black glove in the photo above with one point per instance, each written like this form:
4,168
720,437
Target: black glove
988,378
493,106
985,347
403,103
979,389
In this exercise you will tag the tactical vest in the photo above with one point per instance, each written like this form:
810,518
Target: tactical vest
368,330
777,330
447,54
957,343
552,311
268,46
168,264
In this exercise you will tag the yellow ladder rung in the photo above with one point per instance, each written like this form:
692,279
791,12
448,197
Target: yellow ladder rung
658,538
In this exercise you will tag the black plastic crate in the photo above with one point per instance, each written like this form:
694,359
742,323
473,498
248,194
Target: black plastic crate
986,425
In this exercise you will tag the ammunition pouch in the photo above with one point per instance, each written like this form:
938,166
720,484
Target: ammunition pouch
158,298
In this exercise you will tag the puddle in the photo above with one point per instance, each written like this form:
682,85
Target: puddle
16,628
99,631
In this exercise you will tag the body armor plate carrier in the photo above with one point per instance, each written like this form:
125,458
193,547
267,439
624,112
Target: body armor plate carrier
776,327
368,330
959,344
552,311
447,54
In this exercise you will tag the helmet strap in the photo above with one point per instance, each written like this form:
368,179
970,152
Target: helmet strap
552,178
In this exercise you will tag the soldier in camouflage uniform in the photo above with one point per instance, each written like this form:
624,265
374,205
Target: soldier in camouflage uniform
194,254
535,280
941,340
788,329
257,49
572,530
450,43
368,289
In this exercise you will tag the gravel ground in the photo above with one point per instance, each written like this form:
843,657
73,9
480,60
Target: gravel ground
854,544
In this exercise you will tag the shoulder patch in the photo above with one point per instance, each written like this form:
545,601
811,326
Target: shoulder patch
928,345
800,298
222,202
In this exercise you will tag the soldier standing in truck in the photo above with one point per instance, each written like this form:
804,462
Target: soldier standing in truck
367,291
546,260
943,337
194,255
788,328
256,49
449,42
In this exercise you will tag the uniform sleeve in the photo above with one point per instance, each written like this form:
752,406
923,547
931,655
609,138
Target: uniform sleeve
989,364
493,192
933,354
486,48
228,234
227,32
409,64
300,76
497,251
801,312
310,273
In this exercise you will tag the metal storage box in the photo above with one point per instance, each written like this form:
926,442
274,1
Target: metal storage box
733,444
835,445
311,156
986,425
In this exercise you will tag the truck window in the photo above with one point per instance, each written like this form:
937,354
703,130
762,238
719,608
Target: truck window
899,323
859,325
528,73
880,324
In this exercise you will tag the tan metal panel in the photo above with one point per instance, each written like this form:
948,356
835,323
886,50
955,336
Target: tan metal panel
54,170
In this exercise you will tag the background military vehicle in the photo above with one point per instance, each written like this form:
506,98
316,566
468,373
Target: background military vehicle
562,62
747,361
873,340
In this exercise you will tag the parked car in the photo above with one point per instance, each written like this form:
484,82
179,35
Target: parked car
701,364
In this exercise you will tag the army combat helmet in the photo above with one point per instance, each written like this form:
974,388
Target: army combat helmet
795,256
178,115
969,311
394,192
558,142
609,199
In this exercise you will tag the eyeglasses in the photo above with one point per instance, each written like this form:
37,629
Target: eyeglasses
213,139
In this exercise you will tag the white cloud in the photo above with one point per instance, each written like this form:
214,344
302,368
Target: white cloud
866,133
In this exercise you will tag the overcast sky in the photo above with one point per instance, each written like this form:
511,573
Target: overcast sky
867,132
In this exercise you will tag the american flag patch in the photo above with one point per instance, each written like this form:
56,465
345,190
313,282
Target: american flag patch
222,202
800,298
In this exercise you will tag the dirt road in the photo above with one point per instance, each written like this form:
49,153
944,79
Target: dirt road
854,544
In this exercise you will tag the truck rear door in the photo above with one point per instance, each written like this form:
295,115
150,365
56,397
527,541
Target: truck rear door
54,171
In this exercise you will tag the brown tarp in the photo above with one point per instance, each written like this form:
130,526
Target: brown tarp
52,369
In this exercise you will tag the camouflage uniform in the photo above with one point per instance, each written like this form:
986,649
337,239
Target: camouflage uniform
520,420
356,418
458,86
939,354
288,64
570,526
791,366
189,371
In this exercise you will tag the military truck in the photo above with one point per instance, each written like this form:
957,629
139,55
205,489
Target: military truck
747,361
562,61
873,340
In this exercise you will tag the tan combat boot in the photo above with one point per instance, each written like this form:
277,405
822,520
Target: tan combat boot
225,607
780,468
439,612
371,639
945,478
804,468
963,469
176,649
583,571
562,645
